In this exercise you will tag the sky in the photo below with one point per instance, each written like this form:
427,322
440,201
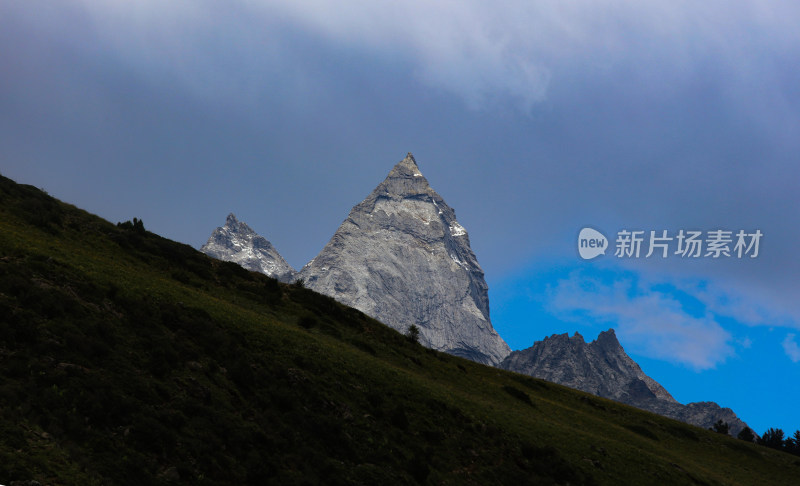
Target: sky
533,119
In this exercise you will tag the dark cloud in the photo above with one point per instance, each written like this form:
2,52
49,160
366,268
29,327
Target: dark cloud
532,120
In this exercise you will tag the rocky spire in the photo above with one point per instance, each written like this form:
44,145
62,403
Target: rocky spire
402,257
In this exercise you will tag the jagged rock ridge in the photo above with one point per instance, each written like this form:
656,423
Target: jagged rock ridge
403,258
603,368
237,242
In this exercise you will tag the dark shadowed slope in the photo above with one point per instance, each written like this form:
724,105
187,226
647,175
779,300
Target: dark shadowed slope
126,358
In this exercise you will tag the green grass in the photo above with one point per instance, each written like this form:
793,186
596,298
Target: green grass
126,358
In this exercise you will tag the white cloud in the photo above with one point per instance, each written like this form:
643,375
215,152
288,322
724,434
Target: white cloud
650,322
487,53
746,302
515,48
473,49
791,348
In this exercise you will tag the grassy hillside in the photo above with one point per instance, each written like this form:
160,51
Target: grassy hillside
126,358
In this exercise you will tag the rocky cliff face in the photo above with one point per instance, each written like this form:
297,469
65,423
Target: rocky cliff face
402,257
603,368
237,242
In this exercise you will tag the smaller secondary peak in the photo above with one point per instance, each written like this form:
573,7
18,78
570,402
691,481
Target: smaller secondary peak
236,242
235,226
